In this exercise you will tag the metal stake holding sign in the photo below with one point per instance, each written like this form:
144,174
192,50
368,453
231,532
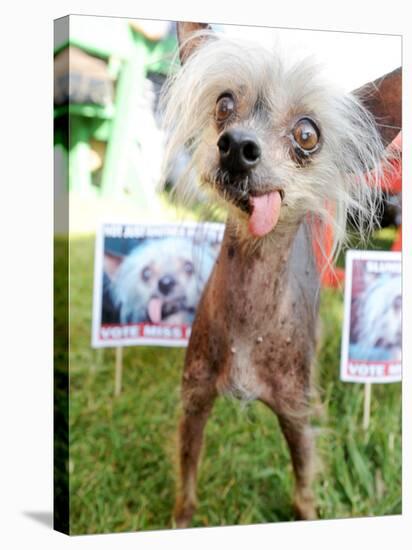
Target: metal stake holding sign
118,371
367,405
372,330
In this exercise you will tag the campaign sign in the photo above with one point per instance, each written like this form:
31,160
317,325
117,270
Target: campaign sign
372,329
148,280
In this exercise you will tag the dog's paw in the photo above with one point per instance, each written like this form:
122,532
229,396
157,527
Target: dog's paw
182,514
180,523
304,505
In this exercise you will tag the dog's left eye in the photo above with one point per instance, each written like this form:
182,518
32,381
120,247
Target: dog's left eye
306,135
146,273
224,107
188,267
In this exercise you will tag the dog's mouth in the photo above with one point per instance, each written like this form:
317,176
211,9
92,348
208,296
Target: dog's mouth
159,309
263,208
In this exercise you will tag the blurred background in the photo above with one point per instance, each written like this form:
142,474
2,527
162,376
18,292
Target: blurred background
108,151
109,73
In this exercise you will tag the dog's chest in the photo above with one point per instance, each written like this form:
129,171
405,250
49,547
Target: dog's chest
254,362
262,315
238,377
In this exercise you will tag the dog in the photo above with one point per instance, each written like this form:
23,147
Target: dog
160,281
278,148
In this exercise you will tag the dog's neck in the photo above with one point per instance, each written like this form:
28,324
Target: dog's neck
259,288
253,279
270,254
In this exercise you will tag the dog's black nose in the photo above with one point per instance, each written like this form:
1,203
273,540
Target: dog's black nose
239,151
166,284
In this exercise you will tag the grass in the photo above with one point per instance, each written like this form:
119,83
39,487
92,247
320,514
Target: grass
122,450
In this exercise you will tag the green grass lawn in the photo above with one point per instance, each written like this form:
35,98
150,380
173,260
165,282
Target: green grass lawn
122,450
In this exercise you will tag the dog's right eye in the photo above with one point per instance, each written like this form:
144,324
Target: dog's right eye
188,267
146,273
225,106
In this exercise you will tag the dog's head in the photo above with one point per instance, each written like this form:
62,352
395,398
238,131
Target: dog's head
380,314
160,281
273,142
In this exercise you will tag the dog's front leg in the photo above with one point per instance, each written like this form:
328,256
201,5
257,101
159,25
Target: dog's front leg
198,393
294,422
299,436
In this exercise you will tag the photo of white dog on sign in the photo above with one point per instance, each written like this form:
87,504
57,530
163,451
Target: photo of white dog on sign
376,331
158,281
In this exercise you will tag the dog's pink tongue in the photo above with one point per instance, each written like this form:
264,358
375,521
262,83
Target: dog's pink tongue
154,309
265,213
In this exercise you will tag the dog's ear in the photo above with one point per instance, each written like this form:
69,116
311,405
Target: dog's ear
111,263
188,43
383,98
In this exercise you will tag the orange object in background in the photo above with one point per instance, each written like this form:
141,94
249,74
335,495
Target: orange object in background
394,181
391,183
394,184
331,276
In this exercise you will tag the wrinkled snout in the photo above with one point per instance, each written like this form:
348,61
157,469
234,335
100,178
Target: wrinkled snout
239,151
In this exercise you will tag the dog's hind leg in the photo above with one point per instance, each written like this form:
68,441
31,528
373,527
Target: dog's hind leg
199,393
